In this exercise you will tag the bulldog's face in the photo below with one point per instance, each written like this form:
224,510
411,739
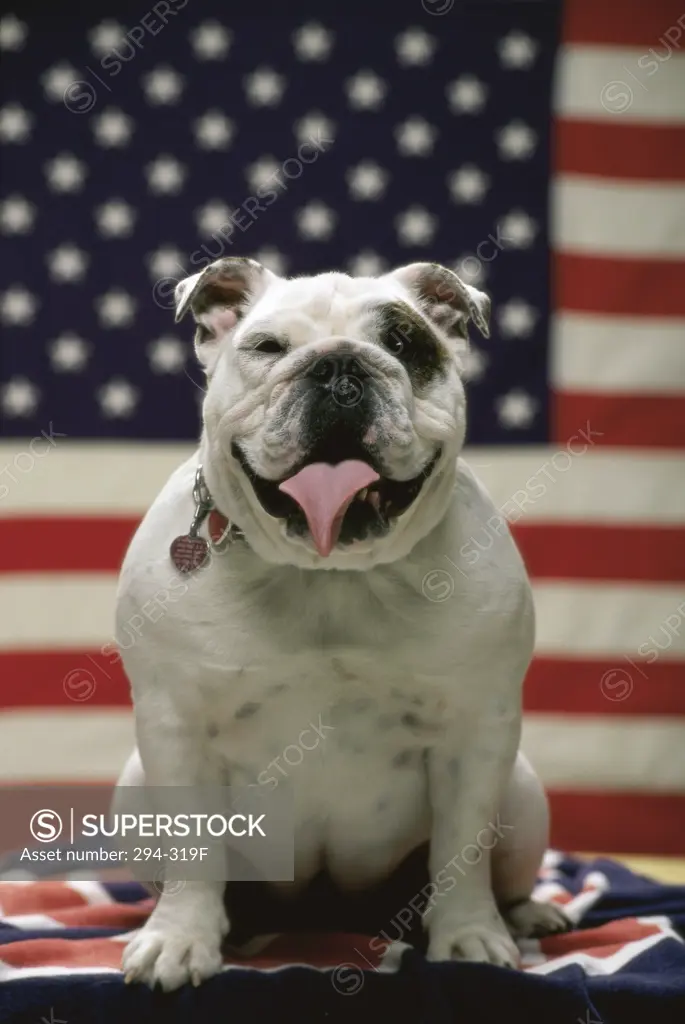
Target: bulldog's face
334,408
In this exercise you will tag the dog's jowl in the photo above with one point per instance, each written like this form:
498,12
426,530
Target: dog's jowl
335,639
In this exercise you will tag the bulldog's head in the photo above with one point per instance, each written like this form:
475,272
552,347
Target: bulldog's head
334,408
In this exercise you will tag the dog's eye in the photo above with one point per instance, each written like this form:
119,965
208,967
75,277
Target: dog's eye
400,340
269,346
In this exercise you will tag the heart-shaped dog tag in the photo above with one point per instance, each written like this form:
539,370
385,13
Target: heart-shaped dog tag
189,553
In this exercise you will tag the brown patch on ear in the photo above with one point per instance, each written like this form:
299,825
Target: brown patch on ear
228,283
445,298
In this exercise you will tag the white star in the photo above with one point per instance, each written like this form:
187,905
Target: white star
68,353
167,355
117,398
315,221
264,87
517,229
115,308
272,259
516,319
165,175
19,397
165,262
163,86
414,47
365,90
65,173
17,306
57,79
516,409
516,141
213,216
315,126
210,40
15,123
416,226
262,173
367,180
16,215
468,184
470,269
466,95
115,218
112,127
415,137
213,130
517,50
366,264
312,42
105,37
67,263
475,363
12,33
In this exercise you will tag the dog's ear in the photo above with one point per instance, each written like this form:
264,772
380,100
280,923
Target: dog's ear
445,299
218,297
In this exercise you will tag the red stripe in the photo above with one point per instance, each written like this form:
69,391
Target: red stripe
64,544
608,686
552,551
597,284
636,421
80,678
640,23
587,551
63,679
639,823
636,151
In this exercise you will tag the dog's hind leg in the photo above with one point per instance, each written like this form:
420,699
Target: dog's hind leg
522,838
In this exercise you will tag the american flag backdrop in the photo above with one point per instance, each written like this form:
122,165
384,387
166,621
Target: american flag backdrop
537,148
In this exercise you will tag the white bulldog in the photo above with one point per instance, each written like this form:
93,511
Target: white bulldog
332,428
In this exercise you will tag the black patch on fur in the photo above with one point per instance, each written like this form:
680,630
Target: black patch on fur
408,337
247,710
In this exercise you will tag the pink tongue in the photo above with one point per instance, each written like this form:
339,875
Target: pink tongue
324,494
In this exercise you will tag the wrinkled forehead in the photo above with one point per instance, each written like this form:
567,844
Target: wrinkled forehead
321,306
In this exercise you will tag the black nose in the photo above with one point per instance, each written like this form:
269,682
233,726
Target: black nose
337,371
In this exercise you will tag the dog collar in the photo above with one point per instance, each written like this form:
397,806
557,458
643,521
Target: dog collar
190,551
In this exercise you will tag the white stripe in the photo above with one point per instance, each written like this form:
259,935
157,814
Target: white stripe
620,85
59,746
599,485
569,751
611,217
554,484
29,922
55,611
97,479
623,753
617,354
642,622
587,619
94,893
8,973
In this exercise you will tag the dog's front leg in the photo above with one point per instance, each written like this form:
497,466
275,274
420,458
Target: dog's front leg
181,940
466,788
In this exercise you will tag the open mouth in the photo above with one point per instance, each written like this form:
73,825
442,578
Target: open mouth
336,497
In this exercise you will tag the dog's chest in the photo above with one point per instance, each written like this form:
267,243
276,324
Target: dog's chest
348,739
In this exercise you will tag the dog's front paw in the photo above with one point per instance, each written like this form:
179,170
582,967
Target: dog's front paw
170,953
530,919
483,939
